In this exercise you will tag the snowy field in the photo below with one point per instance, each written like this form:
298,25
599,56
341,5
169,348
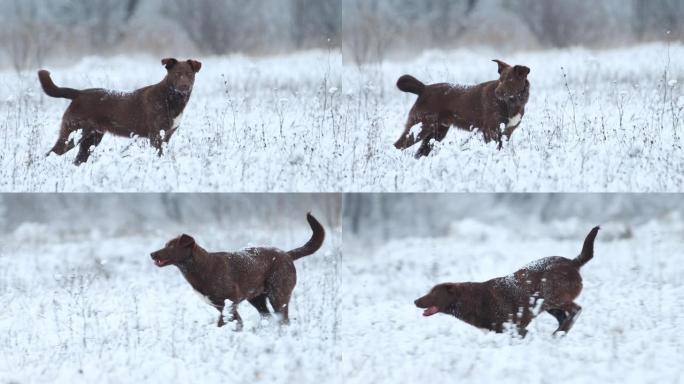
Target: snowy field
251,125
91,307
630,330
596,121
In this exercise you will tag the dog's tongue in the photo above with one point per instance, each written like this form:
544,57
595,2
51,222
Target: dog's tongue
429,311
159,263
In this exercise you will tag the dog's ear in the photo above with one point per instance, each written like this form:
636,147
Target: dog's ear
186,241
521,70
169,62
502,65
195,65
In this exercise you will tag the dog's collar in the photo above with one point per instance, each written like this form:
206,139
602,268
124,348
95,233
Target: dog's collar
178,92
187,259
181,94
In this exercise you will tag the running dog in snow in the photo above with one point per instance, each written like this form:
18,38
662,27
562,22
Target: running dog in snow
485,106
153,112
252,274
550,284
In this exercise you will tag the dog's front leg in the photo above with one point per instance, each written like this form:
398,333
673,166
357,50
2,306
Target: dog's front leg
509,131
487,135
156,141
219,305
168,134
220,322
493,132
498,136
235,316
566,315
89,139
522,330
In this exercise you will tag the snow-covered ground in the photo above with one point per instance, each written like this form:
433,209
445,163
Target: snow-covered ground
630,330
82,302
596,121
267,124
89,306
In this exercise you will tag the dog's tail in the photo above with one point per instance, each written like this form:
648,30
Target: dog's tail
314,242
408,83
587,249
54,91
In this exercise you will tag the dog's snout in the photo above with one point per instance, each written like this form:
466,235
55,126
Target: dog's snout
183,85
153,255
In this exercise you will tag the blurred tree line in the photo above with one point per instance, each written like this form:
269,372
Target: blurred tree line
378,217
36,29
33,30
372,29
117,211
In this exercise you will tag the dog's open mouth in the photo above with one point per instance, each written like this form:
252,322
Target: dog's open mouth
161,263
429,311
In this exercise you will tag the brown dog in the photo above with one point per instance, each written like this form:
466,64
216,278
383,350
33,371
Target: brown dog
485,106
550,284
252,274
153,112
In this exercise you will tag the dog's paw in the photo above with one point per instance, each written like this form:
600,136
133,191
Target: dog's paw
559,334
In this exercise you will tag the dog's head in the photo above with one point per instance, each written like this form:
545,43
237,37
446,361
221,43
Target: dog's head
176,251
513,83
441,298
181,74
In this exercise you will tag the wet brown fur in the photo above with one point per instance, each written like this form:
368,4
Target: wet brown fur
484,106
147,112
550,284
253,274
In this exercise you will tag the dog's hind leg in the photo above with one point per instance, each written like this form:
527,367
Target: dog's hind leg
407,139
259,303
566,315
441,132
89,139
63,144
